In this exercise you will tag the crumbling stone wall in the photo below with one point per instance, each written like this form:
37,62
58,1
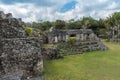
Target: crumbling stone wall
51,53
11,27
21,54
17,52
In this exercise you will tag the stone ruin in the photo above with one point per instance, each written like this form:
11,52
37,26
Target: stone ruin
20,56
85,40
56,36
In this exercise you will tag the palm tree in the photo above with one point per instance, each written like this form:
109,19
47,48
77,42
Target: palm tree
114,25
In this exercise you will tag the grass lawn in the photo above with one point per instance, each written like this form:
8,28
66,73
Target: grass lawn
98,65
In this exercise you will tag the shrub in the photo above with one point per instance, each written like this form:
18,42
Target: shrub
71,40
29,31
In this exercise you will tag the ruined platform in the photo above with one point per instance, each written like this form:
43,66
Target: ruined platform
84,40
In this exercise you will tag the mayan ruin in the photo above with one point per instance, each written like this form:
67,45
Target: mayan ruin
59,40
23,54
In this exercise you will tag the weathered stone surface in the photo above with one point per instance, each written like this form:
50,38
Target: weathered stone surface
5,16
12,76
17,76
2,15
17,52
21,54
11,28
51,53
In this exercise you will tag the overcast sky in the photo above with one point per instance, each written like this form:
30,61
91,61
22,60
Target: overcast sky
34,10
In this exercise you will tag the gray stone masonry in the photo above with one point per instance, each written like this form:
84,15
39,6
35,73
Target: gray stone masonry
56,36
17,52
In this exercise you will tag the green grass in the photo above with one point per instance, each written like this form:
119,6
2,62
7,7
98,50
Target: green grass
98,65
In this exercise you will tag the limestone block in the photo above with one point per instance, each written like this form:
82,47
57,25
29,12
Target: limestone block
67,38
77,37
2,15
9,15
56,39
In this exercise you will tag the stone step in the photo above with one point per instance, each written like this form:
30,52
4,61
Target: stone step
84,44
85,49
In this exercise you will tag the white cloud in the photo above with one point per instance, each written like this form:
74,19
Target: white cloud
102,1
31,12
113,5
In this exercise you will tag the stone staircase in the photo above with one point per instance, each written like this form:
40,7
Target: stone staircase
86,46
83,46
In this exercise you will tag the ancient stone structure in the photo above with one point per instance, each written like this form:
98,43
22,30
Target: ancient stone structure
17,52
64,35
113,34
85,40
21,57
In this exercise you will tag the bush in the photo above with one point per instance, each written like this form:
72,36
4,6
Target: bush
29,31
71,40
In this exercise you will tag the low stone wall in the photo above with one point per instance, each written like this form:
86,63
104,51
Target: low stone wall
51,53
90,46
21,54
80,47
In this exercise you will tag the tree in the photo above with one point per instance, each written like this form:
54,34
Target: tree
74,25
46,25
114,26
60,24
43,26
